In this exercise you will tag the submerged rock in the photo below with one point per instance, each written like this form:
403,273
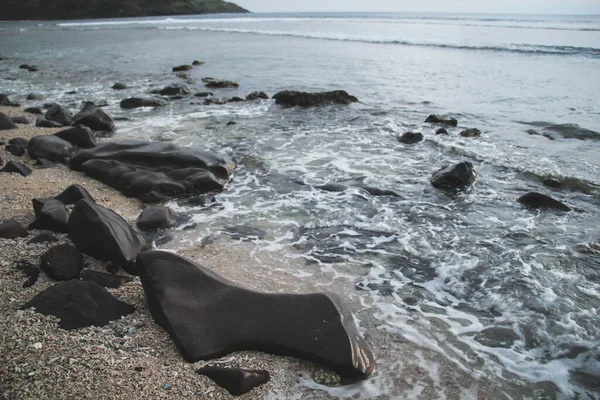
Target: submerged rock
441,131
434,119
203,94
79,135
567,131
79,304
174,89
94,118
457,177
244,232
497,337
59,114
16,167
50,214
208,316
119,86
538,200
197,63
410,137
182,68
472,132
11,229
221,84
236,381
49,147
6,123
135,102
104,279
257,96
62,262
289,98
159,217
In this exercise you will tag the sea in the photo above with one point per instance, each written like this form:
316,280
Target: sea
467,295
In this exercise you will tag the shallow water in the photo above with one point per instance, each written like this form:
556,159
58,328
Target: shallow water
507,297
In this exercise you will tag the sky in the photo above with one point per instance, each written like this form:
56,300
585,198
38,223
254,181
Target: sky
460,6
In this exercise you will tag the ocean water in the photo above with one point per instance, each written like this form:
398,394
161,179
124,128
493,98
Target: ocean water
461,296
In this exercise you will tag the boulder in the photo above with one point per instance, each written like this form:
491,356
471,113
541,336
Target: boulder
5,101
62,262
44,123
158,217
79,304
80,136
44,237
135,102
94,117
104,279
103,234
34,110
196,62
538,200
16,167
289,98
119,86
434,119
203,94
73,194
21,142
441,131
34,96
181,68
257,96
6,123
49,147
456,177
154,171
11,229
15,150
59,114
221,84
174,89
20,120
51,215
208,316
472,132
42,163
410,137
236,381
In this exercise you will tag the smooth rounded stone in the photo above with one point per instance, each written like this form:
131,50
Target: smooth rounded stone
551,182
49,147
34,110
73,194
59,114
236,381
79,304
15,150
103,234
158,217
410,137
197,63
497,337
44,123
174,89
434,119
244,232
472,132
538,200
31,271
154,171
119,86
208,316
374,191
454,177
51,215
231,123
34,96
289,98
182,68
20,120
135,102
80,136
103,279
11,229
441,131
44,237
235,99
6,123
62,262
203,94
21,142
221,84
42,163
94,118
17,168
257,96
5,101
333,187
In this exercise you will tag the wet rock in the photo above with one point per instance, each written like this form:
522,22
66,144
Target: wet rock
135,102
235,99
203,94
62,262
434,119
11,229
15,150
17,168
236,381
244,232
497,337
5,101
221,84
174,89
73,194
103,234
34,110
153,171
208,102
6,123
59,114
203,313
158,217
231,123
80,136
289,98
21,142
44,123
538,200
49,147
374,191
472,132
332,187
551,182
79,304
94,118
51,215
410,137
30,68
20,120
34,96
43,237
567,131
257,96
196,63
182,68
441,131
42,163
457,177
119,86
104,279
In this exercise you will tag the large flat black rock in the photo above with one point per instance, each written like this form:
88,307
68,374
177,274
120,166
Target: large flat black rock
208,316
290,98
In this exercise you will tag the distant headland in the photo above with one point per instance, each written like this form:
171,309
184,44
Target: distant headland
16,10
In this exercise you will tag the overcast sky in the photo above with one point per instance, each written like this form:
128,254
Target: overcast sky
494,6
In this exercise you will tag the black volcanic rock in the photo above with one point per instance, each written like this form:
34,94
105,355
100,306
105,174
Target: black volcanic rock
94,118
454,177
73,194
434,119
153,171
410,137
103,234
119,86
49,147
136,102
471,132
51,215
104,279
203,94
158,217
20,120
236,381
21,142
6,122
16,167
257,96
44,237
208,316
221,84
197,63
11,229
34,110
15,150
80,136
538,200
79,304
174,89
182,68
441,131
59,114
5,101
62,262
44,123
289,98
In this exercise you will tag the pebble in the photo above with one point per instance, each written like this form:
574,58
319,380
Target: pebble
37,345
167,386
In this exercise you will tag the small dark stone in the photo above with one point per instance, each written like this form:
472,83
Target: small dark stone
44,123
163,239
104,279
472,132
94,117
79,304
139,369
411,301
208,79
31,271
50,214
158,217
20,120
441,131
235,99
410,137
221,84
15,150
244,232
182,68
257,96
81,136
11,229
43,237
73,194
538,200
236,381
174,89
457,177
43,163
16,167
21,142
34,96
434,119
553,183
71,92
59,114
230,123
203,94
49,147
6,123
119,86
34,110
62,262
135,102
196,62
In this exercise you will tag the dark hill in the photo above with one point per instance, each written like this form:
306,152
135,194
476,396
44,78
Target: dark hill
84,9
